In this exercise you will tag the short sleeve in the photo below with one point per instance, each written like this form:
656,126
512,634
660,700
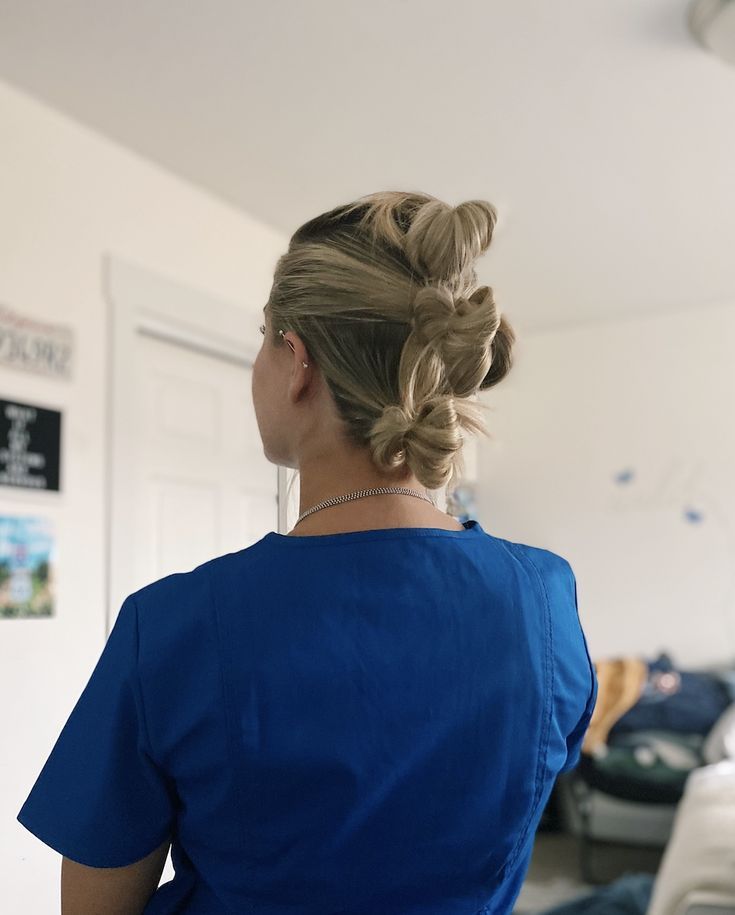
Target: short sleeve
576,737
100,798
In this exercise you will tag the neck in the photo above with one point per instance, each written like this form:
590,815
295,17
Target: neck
330,475
329,472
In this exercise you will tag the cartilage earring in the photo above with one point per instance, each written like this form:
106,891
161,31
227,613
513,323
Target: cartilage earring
305,364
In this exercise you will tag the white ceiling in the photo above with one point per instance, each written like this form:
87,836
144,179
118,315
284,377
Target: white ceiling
604,134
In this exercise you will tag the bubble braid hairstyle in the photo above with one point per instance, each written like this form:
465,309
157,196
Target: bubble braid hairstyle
384,294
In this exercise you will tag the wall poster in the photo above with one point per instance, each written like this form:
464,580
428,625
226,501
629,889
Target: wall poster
27,566
30,446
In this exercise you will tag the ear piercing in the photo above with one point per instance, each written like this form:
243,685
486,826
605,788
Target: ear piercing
305,364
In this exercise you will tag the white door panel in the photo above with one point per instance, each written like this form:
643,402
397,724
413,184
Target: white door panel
189,480
201,469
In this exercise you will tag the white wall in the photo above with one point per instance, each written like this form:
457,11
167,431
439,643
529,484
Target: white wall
66,196
653,395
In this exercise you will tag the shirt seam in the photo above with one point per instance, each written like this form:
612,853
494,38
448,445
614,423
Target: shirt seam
138,686
590,662
227,710
382,535
171,829
549,705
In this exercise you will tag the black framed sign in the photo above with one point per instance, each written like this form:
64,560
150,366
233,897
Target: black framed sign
30,446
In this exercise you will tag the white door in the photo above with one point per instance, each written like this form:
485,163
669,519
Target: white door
202,486
188,478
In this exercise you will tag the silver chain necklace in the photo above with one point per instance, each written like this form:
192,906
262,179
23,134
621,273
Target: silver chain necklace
361,493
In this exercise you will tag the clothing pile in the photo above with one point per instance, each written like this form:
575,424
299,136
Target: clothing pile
653,724
629,895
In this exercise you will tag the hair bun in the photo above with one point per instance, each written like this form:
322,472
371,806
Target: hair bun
390,433
399,418
443,241
432,313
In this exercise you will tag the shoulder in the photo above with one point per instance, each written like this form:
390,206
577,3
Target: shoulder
549,577
538,561
180,605
193,584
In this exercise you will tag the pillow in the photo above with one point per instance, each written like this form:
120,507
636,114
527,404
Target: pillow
720,742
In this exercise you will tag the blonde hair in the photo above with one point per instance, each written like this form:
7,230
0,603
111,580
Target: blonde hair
384,295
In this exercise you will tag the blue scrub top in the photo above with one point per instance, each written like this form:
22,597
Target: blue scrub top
342,724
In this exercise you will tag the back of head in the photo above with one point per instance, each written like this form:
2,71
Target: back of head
384,295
